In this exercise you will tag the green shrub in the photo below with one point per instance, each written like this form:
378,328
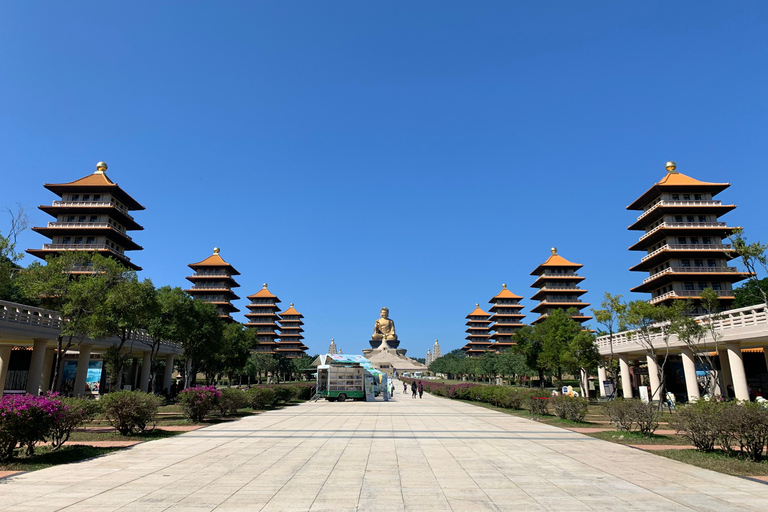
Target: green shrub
620,412
75,413
538,405
231,400
261,398
699,423
646,416
511,398
197,402
301,391
130,411
749,423
570,407
283,394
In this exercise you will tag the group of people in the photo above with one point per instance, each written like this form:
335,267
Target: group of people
415,388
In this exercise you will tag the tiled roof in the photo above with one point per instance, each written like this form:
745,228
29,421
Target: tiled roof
214,260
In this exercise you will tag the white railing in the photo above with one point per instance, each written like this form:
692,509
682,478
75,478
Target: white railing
91,204
85,247
678,203
209,287
47,318
683,225
688,247
688,293
219,274
559,287
692,270
750,316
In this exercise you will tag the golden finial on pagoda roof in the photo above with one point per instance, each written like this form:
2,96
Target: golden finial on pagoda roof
101,168
671,166
554,250
265,286
477,305
216,250
504,286
291,304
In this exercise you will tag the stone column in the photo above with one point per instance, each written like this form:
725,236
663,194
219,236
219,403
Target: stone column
689,370
36,367
146,366
765,356
653,377
601,377
626,380
168,375
45,384
82,369
737,371
725,371
5,359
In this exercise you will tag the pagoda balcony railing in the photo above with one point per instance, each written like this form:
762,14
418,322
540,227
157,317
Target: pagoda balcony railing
683,225
559,301
85,247
678,203
559,274
92,204
692,270
559,287
85,225
688,247
209,287
688,293
211,274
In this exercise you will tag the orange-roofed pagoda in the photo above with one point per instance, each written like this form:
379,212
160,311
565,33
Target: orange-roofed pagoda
478,332
506,318
290,344
558,287
92,216
213,282
683,241
263,317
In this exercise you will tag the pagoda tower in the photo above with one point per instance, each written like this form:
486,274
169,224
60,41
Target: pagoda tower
558,288
332,347
263,317
213,282
428,359
290,344
92,216
683,241
436,352
478,332
506,318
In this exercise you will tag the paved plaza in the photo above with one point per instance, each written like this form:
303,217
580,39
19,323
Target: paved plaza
421,455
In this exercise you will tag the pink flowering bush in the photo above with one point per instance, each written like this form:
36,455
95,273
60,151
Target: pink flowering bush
197,402
26,420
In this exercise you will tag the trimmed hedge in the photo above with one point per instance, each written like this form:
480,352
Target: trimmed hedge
499,396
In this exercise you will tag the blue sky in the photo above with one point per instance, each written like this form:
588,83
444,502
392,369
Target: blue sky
355,155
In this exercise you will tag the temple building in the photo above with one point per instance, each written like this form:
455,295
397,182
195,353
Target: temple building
213,282
506,318
479,336
558,288
428,360
290,344
683,241
332,347
263,317
92,216
436,352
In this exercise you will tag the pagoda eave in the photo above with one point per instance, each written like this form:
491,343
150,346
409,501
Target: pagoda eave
641,223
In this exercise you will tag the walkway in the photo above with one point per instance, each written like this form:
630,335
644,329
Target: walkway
432,454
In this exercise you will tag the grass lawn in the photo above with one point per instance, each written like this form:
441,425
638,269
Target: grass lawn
717,461
45,458
621,437
150,435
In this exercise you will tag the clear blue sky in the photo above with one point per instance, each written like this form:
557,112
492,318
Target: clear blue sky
414,155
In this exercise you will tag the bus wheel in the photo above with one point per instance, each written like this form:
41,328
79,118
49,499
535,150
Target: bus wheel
341,397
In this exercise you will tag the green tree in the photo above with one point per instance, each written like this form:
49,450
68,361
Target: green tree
555,333
237,342
511,364
299,365
611,315
581,357
751,293
529,346
9,257
753,257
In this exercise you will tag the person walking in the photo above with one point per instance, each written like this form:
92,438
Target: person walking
421,389
413,389
405,387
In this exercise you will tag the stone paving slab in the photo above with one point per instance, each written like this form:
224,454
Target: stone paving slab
420,455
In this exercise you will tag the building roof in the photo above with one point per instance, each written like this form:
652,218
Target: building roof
215,260
291,311
504,294
555,260
96,182
264,294
676,181
478,312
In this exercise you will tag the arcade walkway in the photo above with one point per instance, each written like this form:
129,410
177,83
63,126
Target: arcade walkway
432,454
